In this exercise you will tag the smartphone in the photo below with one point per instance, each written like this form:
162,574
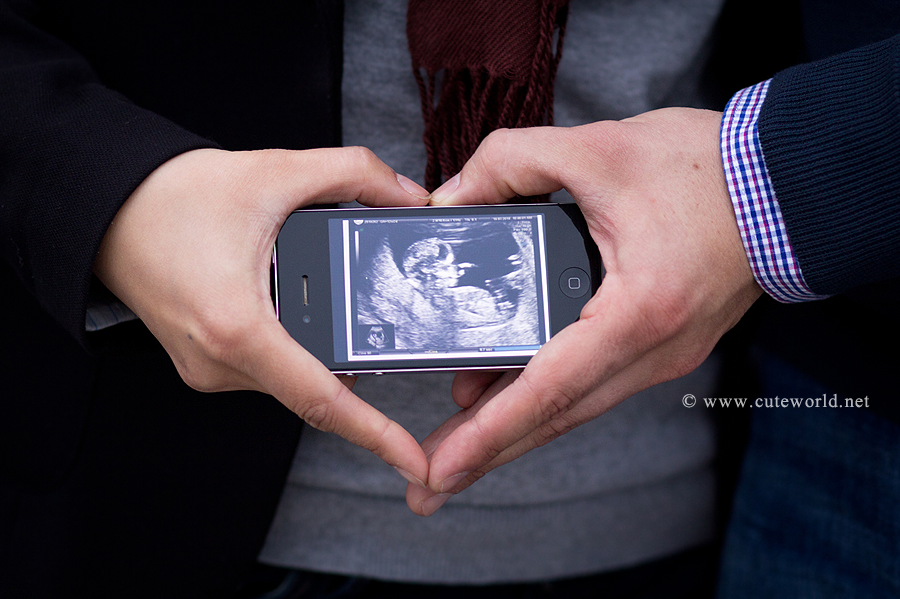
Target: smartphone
378,290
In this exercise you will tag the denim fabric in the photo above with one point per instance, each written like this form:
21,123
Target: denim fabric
817,509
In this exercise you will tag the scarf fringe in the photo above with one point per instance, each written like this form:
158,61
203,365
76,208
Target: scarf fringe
472,104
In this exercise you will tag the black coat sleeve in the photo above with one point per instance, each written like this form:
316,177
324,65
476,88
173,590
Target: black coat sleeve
830,132
71,152
113,473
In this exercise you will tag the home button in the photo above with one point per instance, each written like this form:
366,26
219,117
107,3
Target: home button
574,282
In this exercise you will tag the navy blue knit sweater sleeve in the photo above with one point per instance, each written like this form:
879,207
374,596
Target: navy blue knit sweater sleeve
830,132
71,152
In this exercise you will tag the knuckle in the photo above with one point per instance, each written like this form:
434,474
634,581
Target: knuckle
318,414
551,403
322,413
475,476
362,169
493,156
554,405
489,445
468,481
552,430
495,145
362,157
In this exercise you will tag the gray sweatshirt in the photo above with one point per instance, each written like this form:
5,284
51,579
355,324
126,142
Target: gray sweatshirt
633,485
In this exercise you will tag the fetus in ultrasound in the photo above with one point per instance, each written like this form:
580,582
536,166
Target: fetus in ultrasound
444,285
376,337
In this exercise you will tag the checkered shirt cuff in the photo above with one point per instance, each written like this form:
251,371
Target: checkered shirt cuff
759,218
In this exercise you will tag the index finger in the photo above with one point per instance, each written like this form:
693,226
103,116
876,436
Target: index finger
509,162
287,371
292,179
469,385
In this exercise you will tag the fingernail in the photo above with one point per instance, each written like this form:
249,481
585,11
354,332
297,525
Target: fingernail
412,187
431,505
451,481
443,193
409,477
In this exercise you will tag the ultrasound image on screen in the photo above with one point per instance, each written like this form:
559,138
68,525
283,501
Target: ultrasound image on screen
440,286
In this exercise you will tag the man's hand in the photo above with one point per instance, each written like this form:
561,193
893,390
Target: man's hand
190,250
653,192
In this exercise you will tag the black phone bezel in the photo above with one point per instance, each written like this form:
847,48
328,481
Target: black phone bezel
302,249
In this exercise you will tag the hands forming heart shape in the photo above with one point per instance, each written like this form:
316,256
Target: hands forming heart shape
189,254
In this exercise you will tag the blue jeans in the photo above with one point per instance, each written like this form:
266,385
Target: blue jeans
817,508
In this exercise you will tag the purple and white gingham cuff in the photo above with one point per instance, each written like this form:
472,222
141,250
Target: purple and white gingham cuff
759,218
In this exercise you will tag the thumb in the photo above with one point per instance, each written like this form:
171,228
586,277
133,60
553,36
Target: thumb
331,175
509,162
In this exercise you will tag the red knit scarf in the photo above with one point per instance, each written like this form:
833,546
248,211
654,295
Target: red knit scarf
481,65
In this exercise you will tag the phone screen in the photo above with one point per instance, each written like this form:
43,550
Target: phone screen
438,287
